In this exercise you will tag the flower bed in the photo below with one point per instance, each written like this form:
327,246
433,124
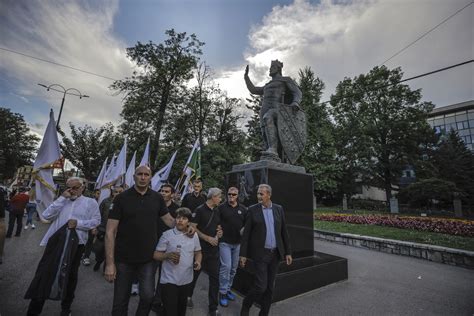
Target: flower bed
438,225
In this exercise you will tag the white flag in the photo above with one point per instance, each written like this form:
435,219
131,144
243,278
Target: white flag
146,155
163,174
131,171
116,173
100,178
48,154
191,170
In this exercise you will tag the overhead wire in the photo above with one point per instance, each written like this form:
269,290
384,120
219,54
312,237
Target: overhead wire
404,80
427,32
57,64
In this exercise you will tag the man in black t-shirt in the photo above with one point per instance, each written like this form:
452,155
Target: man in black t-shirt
206,220
130,241
167,192
232,219
196,198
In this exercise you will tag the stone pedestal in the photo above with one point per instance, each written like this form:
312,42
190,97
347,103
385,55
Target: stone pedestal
293,189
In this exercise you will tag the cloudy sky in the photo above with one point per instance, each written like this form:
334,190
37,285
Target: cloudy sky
337,39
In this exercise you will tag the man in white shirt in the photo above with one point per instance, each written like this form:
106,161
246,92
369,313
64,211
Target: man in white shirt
80,213
180,255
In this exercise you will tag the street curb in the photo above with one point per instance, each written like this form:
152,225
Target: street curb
451,256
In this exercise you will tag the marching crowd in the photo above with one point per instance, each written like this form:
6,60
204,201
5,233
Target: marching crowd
137,231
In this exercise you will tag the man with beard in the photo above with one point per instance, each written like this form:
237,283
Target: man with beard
80,213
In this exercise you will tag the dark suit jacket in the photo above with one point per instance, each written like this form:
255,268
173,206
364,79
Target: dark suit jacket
44,284
253,239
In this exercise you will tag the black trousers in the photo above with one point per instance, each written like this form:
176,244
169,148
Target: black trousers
265,273
36,305
210,264
157,300
174,299
88,247
11,223
126,273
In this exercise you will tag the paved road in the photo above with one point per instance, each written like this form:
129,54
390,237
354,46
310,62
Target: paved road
379,284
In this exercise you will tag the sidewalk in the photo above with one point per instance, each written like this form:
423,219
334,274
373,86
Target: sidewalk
379,284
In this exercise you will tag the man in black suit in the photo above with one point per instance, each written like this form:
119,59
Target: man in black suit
265,240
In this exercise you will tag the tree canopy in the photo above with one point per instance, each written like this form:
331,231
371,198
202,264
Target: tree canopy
319,155
88,147
381,125
17,144
161,71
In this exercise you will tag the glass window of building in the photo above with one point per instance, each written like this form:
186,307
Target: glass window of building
461,117
450,119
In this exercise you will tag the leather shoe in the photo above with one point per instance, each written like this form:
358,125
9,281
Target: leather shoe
245,310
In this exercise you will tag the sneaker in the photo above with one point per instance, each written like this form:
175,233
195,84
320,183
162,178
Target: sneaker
33,226
190,303
86,261
26,226
223,300
134,289
230,296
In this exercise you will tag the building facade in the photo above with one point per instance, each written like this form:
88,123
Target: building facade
458,117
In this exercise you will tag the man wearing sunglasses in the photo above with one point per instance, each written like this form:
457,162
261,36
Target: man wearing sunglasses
80,213
232,219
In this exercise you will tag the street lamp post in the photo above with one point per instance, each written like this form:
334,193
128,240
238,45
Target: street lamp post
64,91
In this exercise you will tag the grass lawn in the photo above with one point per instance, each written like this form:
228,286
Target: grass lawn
445,240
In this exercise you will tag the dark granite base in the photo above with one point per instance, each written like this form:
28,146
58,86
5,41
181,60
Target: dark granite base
293,189
304,275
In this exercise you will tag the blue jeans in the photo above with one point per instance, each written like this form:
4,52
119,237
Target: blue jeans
30,209
229,257
126,273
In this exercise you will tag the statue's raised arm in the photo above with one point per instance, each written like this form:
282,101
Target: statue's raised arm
253,89
282,121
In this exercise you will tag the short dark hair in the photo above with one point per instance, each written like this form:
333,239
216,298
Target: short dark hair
184,212
197,181
233,189
167,185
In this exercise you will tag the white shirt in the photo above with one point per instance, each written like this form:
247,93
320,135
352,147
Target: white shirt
85,210
181,273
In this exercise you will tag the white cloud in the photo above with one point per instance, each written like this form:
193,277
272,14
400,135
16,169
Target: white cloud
344,40
66,32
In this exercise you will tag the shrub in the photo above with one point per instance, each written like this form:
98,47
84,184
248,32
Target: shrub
438,225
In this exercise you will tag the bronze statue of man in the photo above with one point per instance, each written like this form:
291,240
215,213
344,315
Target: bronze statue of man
282,121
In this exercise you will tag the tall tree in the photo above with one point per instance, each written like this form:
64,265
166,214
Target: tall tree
88,147
319,155
455,163
254,141
383,121
207,114
17,144
162,69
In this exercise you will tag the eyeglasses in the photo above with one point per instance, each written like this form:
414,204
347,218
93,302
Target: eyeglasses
77,187
232,194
